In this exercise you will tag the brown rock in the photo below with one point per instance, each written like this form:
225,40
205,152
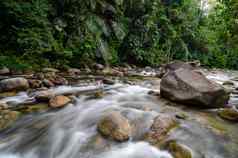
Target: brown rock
59,101
178,150
161,126
229,114
115,126
14,84
44,96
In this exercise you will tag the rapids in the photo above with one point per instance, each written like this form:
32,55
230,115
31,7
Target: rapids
72,132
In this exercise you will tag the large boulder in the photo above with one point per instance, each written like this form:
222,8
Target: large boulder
14,84
192,88
115,126
175,65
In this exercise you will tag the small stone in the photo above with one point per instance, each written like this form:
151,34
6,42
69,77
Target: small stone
4,71
230,114
228,83
59,101
74,71
35,83
108,81
99,66
50,70
44,96
48,83
178,150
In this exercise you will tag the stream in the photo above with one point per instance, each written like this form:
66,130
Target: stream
71,132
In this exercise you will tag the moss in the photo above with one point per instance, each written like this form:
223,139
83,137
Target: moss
178,150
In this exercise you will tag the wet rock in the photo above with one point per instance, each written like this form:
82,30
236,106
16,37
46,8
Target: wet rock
181,115
148,69
3,106
39,107
108,81
115,126
160,128
192,88
175,65
58,80
154,93
50,70
74,71
44,96
7,94
178,150
59,101
14,84
7,118
35,83
98,66
228,83
230,114
4,71
48,83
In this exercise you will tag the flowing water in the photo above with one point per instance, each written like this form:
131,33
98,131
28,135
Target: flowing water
72,131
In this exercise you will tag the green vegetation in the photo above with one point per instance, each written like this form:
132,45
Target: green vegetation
62,33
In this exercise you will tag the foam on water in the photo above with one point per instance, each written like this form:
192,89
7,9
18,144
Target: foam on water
135,150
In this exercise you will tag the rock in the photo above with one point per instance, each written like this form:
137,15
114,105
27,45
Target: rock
48,83
230,114
178,150
8,118
148,69
189,87
108,81
115,126
4,71
3,106
195,63
59,101
14,84
98,66
175,65
44,96
228,83
50,70
73,71
35,83
58,80
161,126
7,94
154,93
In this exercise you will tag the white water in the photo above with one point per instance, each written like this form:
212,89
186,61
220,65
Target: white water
67,133
71,132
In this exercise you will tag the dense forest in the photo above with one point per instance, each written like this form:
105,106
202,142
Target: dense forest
75,33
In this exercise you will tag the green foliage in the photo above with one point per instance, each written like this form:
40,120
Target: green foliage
38,33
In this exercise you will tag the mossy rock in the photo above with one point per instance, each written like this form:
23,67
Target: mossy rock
229,114
178,150
33,108
8,94
7,118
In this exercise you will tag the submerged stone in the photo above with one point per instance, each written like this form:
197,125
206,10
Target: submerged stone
229,114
